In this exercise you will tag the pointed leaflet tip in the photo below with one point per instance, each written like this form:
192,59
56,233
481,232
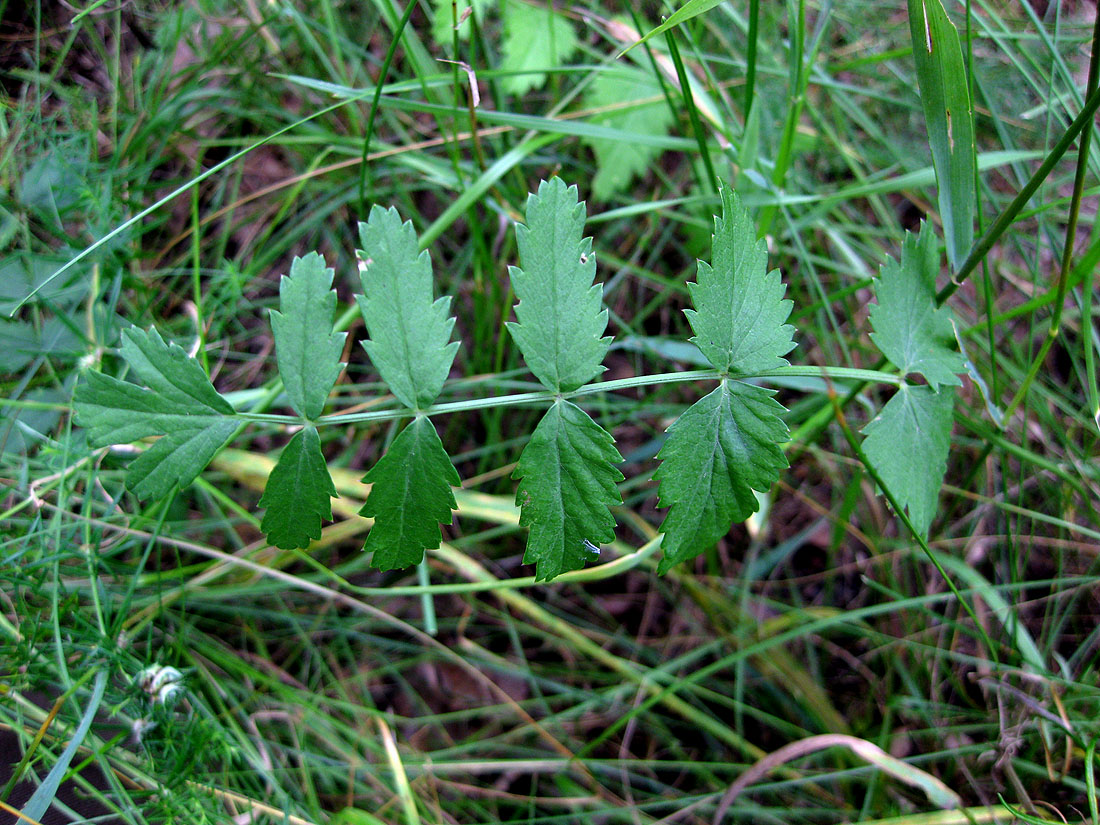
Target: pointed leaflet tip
908,327
410,497
180,405
560,314
297,493
410,334
740,313
307,349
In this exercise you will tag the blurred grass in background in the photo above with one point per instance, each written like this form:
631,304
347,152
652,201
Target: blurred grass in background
634,699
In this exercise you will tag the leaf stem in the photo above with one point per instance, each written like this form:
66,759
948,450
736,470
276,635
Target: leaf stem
899,511
544,396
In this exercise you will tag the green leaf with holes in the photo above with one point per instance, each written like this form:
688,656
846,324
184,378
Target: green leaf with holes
560,314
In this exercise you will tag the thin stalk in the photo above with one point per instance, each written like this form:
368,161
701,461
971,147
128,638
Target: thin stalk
750,55
1071,236
899,511
693,114
1005,219
394,43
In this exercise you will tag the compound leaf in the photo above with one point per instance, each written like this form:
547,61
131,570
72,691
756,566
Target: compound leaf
909,329
560,312
721,449
410,334
180,405
411,495
535,39
297,493
619,161
907,444
305,345
567,485
739,310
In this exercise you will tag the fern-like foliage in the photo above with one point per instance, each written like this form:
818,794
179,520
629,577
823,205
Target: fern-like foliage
740,314
410,333
719,454
297,493
309,357
308,351
567,484
410,495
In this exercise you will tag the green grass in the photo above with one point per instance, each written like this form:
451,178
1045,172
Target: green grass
313,690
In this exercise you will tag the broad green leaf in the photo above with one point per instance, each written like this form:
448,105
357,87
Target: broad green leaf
410,334
444,19
619,161
907,444
909,329
739,310
181,406
560,311
945,96
567,485
535,40
307,348
297,493
690,9
721,449
410,497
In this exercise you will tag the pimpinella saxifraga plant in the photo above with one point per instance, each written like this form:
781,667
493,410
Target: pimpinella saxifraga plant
718,455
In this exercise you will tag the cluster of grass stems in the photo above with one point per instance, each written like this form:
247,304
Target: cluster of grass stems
318,690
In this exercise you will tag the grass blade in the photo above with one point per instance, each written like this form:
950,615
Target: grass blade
949,118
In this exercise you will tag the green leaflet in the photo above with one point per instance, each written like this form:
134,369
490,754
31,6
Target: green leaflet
720,450
297,493
169,371
307,349
907,443
560,314
535,39
945,96
909,329
739,310
567,485
618,162
411,495
180,405
409,333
